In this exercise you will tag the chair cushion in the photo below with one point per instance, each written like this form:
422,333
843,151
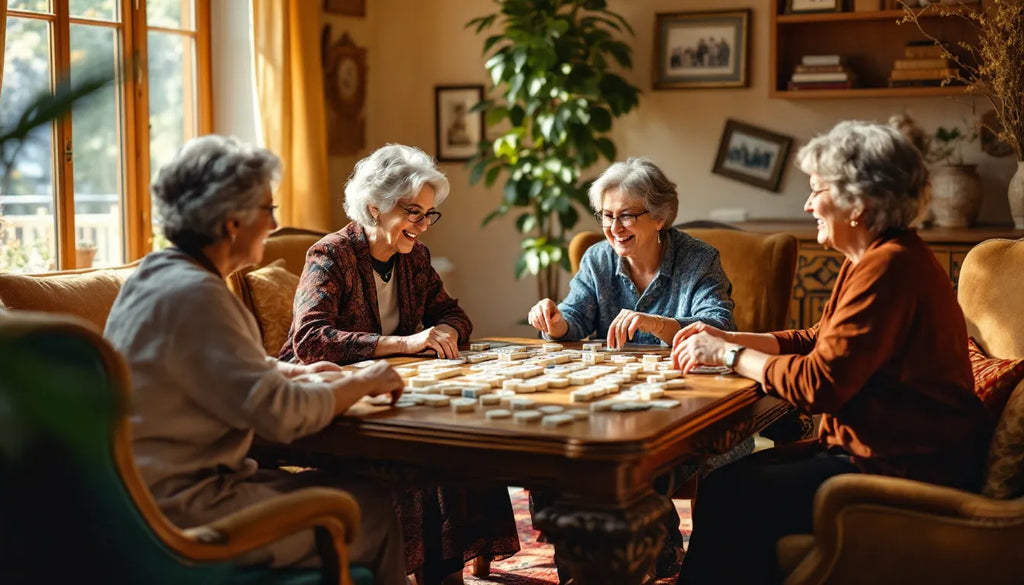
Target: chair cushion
994,378
88,294
273,291
1004,474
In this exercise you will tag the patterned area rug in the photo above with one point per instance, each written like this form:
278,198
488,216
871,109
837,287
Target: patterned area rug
534,564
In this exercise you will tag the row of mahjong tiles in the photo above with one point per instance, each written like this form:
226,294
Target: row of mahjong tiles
499,377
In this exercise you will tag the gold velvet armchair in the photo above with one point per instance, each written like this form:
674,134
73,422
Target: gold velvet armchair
760,267
883,530
72,504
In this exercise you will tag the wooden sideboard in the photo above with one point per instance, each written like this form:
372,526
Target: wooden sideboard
816,268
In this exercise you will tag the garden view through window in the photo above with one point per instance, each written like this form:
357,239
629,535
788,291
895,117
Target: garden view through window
75,193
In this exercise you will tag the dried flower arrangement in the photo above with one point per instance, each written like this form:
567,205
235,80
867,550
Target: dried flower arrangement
991,68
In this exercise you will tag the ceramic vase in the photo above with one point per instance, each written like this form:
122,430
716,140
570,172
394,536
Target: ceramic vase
956,195
1015,193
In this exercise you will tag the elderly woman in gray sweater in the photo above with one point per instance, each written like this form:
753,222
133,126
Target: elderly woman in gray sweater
203,386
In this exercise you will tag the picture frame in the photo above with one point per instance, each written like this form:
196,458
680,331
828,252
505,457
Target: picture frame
752,155
802,6
458,129
695,50
346,7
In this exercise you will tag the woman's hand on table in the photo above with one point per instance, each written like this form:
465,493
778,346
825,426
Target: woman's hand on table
442,339
698,349
546,318
379,378
626,324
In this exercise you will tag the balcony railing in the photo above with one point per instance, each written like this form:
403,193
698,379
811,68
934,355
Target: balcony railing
28,240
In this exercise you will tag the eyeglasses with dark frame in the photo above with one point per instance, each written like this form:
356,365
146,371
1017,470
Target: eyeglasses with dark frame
417,216
271,209
625,219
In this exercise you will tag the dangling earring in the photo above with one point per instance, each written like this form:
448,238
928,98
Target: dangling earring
374,221
659,236
233,237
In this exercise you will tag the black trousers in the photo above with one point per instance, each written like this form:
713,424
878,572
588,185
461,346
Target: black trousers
743,508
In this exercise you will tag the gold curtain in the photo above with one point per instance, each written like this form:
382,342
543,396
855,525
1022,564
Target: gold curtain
289,88
3,39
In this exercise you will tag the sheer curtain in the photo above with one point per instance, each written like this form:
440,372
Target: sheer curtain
289,90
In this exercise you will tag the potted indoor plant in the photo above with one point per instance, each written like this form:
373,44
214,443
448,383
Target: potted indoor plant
555,96
992,68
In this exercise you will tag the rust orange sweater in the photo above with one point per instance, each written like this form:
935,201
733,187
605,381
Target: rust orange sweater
887,367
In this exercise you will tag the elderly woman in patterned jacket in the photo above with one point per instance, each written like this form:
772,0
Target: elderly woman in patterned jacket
368,290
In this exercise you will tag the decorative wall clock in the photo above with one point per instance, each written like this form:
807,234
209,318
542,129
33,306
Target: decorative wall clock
345,88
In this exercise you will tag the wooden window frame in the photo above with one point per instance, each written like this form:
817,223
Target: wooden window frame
137,213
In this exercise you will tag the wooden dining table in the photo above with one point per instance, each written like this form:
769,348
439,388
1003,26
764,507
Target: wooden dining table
605,519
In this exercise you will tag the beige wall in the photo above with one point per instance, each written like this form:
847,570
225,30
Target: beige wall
415,45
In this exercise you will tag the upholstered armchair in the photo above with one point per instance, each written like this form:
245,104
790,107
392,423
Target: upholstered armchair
761,268
73,507
268,289
883,530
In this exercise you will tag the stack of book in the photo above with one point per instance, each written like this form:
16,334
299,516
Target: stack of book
822,72
921,66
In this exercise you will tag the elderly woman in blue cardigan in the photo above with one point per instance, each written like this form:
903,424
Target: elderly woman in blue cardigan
642,284
646,280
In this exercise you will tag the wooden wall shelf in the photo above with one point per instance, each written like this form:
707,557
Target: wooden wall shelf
869,41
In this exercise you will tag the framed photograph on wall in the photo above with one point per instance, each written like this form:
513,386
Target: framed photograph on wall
458,129
753,155
797,6
346,7
701,49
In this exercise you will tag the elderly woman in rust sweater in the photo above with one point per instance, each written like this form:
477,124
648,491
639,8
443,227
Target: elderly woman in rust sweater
368,290
886,366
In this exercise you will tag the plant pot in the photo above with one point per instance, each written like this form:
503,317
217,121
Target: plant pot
956,195
1015,193
84,257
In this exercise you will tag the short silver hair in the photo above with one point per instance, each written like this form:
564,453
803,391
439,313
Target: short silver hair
211,179
641,178
390,174
873,166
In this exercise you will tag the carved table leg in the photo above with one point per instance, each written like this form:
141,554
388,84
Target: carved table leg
613,547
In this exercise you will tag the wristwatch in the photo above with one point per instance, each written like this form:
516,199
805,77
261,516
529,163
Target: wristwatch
732,355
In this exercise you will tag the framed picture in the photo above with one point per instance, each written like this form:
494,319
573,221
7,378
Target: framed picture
701,49
816,5
458,129
752,155
346,7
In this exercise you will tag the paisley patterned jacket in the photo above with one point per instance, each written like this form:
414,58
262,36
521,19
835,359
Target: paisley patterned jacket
335,312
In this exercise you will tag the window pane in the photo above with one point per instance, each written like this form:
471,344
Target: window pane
28,230
176,14
94,9
97,130
172,104
43,6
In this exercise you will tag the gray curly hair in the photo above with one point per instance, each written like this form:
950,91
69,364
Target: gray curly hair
390,174
870,165
639,177
210,180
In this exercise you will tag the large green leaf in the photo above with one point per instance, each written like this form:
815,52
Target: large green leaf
553,85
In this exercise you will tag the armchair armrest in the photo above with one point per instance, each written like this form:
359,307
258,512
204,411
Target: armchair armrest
876,529
270,520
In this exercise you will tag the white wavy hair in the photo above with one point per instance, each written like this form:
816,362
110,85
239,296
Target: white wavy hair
390,174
